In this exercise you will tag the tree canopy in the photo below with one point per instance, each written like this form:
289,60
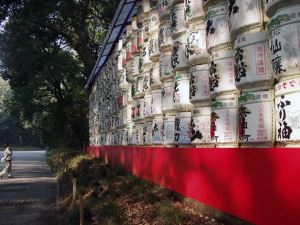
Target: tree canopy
48,49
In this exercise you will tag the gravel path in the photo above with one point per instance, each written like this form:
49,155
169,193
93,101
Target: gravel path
30,197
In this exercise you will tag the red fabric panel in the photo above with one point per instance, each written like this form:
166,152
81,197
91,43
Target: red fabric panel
261,186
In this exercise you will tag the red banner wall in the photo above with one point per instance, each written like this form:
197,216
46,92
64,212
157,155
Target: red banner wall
261,186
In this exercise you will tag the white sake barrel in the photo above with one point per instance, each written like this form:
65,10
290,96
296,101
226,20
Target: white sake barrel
165,65
183,128
221,72
271,6
193,11
139,86
139,133
177,21
251,61
157,130
199,84
163,8
224,121
139,109
124,116
167,95
178,58
200,125
122,80
120,60
284,36
146,6
130,93
287,111
128,30
128,51
133,135
256,117
147,104
195,49
147,132
154,21
135,66
147,79
169,129
153,47
134,44
164,36
156,102
155,81
129,111
145,28
140,38
217,28
124,140
245,15
181,97
145,54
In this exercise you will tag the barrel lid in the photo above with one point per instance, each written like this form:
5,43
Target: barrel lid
183,114
216,10
284,16
221,54
248,39
199,67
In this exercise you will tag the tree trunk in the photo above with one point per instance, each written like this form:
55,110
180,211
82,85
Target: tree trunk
81,210
74,181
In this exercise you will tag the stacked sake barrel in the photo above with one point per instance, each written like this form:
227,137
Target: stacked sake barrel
284,46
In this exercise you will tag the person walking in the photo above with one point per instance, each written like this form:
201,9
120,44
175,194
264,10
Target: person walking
7,158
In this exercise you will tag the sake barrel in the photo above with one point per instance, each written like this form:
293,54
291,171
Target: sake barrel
217,28
224,121
140,38
139,133
156,102
135,66
164,36
200,125
169,129
147,79
181,98
147,105
128,51
287,111
195,48
139,87
155,81
120,61
122,80
153,47
129,111
256,117
221,72
157,130
139,109
271,6
145,28
193,11
199,84
167,94
147,132
183,128
146,6
165,67
251,61
145,54
133,134
245,15
124,140
178,58
177,21
154,21
130,92
284,36
163,8
134,44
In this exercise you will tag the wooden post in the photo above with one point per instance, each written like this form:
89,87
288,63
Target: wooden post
74,182
81,210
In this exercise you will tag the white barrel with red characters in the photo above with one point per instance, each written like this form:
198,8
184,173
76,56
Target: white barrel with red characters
200,125
183,128
256,117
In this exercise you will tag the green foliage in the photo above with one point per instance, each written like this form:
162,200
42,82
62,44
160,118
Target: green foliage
48,49
108,213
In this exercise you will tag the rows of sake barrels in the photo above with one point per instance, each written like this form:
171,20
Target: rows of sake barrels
202,73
